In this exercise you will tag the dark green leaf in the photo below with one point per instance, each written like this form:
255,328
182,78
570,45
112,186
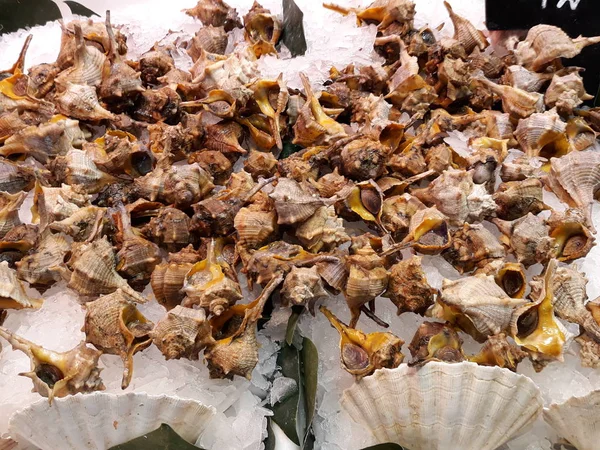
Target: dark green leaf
270,441
310,366
289,149
17,14
301,412
294,414
266,314
388,446
293,28
163,438
563,446
285,413
309,440
79,9
292,322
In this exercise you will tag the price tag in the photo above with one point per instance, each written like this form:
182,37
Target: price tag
575,17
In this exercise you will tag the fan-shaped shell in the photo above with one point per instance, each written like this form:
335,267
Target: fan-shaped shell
100,421
444,406
576,420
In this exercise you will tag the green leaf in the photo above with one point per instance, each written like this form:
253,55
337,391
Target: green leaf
79,9
270,442
285,413
302,424
310,366
292,322
163,438
294,414
293,28
388,446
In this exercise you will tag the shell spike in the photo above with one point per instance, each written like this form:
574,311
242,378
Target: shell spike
582,42
127,368
20,64
338,8
333,320
124,223
81,47
282,100
254,313
17,342
261,184
112,50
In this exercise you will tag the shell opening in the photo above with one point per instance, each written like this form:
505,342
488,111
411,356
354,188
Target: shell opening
555,149
436,236
49,374
574,245
527,323
537,329
443,346
571,241
371,201
354,357
355,202
512,283
141,162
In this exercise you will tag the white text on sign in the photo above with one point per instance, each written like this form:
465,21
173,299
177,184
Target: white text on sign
572,3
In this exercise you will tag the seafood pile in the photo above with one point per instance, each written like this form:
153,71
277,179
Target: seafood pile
144,174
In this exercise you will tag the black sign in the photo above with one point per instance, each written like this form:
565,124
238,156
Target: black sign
575,17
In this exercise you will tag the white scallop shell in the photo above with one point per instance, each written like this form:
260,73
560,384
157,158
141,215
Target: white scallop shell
99,420
444,406
577,420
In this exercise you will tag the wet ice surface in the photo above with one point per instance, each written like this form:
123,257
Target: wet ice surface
241,421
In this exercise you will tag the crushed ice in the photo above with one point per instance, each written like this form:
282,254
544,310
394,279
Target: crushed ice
242,417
